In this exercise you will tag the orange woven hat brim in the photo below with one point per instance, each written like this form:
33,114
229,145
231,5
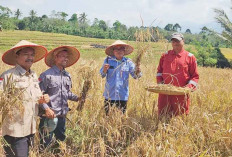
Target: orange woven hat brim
128,49
9,57
73,57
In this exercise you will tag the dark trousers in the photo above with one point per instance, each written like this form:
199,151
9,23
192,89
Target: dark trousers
118,103
18,146
59,132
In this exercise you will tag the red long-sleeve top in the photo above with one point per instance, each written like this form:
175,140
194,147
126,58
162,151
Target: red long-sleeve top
178,69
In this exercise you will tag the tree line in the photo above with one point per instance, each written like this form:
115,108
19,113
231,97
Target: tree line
57,22
80,25
206,42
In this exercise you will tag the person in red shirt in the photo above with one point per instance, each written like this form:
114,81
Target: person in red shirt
177,67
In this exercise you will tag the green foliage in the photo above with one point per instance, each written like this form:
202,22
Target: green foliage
8,23
169,27
210,62
63,15
21,25
102,24
5,12
75,136
188,31
73,18
207,55
81,26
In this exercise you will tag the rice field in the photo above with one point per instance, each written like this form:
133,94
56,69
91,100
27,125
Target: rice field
227,53
206,131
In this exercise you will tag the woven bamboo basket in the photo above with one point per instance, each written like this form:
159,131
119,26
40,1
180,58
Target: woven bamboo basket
168,89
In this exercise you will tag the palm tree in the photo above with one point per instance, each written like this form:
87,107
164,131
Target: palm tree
32,20
63,15
176,26
82,18
32,14
83,22
18,13
226,24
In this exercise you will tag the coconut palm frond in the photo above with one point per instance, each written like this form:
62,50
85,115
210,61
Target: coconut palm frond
222,18
216,33
221,13
224,21
227,35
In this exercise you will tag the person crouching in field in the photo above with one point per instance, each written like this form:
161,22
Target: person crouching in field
56,82
116,68
179,68
21,85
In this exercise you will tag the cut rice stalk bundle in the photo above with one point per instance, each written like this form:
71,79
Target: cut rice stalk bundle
143,39
87,75
168,89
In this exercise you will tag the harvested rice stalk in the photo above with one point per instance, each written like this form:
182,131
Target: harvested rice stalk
168,89
87,75
85,89
11,101
143,37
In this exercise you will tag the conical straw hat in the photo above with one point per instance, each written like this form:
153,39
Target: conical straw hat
9,57
74,55
128,49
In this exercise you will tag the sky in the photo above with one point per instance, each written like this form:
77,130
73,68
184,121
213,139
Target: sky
189,14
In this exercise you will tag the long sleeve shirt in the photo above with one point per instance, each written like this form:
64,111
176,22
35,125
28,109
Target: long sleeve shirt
117,78
23,89
57,84
178,69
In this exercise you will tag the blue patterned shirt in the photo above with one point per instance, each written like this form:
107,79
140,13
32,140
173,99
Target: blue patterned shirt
117,78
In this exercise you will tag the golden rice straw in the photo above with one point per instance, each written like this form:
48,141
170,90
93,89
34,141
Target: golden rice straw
87,75
143,37
10,100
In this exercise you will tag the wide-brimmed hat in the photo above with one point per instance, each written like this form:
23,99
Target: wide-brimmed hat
9,57
128,49
73,57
